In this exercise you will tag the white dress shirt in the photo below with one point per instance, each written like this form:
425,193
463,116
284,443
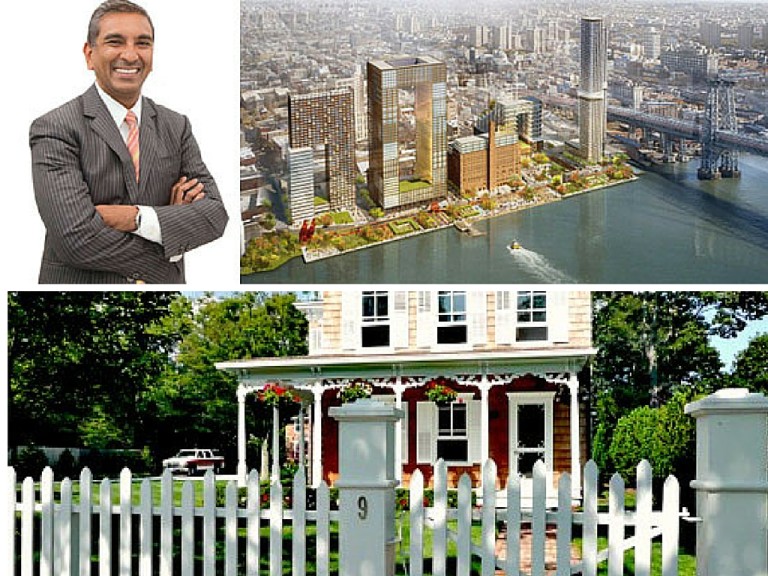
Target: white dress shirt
149,225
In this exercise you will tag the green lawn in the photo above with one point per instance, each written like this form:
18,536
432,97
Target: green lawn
410,185
686,562
341,218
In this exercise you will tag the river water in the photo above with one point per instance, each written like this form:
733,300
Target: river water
666,227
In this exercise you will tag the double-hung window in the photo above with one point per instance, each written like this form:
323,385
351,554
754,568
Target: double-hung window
375,319
452,432
531,316
451,317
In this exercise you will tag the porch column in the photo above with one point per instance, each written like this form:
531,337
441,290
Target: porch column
399,388
317,434
275,443
301,434
485,388
242,467
573,388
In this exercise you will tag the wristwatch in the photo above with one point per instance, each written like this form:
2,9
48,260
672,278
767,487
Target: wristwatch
137,220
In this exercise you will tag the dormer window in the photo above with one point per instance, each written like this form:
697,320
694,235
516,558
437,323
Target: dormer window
375,319
452,318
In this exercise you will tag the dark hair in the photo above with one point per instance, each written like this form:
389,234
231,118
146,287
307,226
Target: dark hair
111,6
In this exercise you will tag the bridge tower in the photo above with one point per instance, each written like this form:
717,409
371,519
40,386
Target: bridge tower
717,160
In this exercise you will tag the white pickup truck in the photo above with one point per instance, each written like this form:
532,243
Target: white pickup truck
194,460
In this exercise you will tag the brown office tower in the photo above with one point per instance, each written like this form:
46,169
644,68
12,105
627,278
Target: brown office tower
425,76
485,161
324,121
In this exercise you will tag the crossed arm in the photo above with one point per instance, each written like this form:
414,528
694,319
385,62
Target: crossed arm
123,217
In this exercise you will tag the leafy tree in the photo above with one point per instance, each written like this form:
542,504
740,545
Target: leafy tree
74,356
751,367
652,344
193,403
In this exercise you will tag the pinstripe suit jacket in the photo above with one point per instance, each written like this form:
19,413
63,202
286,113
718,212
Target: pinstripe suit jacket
79,160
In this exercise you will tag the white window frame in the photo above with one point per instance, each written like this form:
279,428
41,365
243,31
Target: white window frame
453,320
532,310
557,320
427,431
375,319
452,435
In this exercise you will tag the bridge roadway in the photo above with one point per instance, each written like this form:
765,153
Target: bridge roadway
687,129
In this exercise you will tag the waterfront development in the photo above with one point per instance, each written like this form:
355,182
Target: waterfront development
419,142
666,227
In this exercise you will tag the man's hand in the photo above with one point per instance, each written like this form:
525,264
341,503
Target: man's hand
118,216
186,191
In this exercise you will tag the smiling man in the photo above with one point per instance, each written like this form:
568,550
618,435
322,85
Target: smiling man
119,181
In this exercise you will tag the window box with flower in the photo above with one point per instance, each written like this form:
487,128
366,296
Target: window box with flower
355,390
440,391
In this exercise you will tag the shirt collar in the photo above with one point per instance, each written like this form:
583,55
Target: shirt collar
117,110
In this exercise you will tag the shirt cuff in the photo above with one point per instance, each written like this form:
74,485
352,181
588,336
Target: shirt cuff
149,228
149,225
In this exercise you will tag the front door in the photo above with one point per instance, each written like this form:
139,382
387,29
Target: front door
530,437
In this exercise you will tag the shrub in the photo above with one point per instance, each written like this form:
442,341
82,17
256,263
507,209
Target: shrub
242,495
111,462
403,498
65,467
636,438
30,461
664,436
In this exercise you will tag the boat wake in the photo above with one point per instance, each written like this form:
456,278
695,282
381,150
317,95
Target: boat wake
540,267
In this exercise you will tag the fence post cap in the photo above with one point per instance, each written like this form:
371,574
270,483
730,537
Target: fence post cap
366,409
728,400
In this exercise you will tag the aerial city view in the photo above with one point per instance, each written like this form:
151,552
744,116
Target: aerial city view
428,141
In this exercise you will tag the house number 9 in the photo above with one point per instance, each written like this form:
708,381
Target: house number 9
362,507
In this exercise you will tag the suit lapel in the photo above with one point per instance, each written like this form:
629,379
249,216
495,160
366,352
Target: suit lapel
150,144
104,126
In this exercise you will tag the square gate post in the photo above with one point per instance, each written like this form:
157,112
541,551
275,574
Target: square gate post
731,483
366,486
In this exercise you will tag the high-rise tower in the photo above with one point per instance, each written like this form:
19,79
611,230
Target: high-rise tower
326,119
592,108
426,77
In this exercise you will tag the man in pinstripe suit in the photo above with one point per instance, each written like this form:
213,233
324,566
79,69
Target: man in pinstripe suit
108,218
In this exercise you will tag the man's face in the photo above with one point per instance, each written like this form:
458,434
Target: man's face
121,56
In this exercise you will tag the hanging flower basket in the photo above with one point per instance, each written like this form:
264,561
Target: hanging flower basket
273,394
440,392
355,390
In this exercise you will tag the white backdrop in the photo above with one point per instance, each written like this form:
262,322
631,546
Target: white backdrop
196,73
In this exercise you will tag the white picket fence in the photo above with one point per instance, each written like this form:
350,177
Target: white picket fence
51,537
647,523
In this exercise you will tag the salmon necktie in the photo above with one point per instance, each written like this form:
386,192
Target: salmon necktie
133,140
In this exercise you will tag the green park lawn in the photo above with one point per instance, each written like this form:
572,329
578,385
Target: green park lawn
400,227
